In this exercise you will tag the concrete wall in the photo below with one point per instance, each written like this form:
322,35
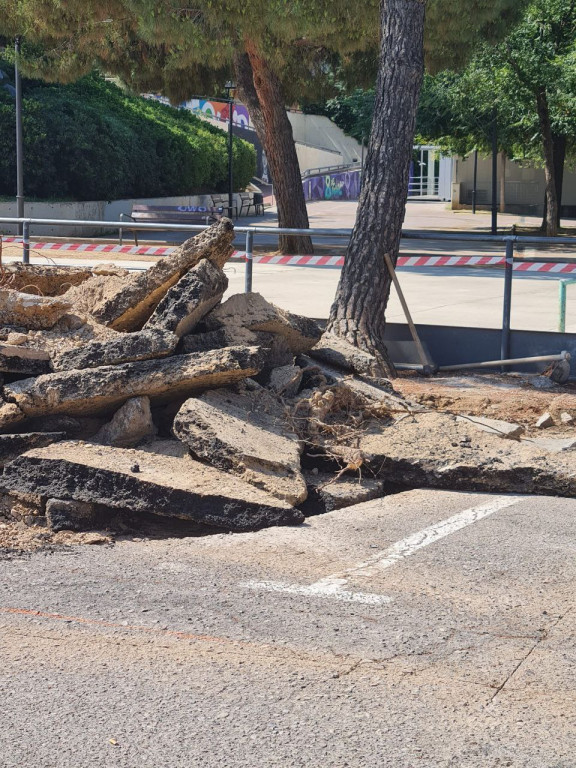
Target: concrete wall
99,210
524,187
313,157
320,132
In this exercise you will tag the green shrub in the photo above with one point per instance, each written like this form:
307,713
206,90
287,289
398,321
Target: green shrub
93,141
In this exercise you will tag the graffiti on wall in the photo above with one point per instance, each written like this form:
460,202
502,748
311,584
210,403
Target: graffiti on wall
220,110
333,186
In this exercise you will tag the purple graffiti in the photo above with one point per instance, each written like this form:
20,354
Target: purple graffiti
333,186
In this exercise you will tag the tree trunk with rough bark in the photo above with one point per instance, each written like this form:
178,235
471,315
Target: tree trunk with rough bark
550,223
559,153
247,93
357,314
264,98
502,177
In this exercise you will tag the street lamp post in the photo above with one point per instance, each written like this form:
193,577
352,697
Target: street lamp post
19,139
230,86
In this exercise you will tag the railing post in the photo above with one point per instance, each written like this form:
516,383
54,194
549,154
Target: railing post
249,261
508,272
26,243
562,306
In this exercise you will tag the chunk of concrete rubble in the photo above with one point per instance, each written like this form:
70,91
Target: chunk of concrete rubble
44,279
125,348
244,433
566,418
27,508
193,296
545,421
339,353
553,444
285,381
99,390
325,494
558,371
498,427
252,311
26,360
435,450
131,424
69,515
126,303
275,349
12,446
34,312
378,391
145,482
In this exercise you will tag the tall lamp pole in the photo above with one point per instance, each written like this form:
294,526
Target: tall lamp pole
19,141
230,86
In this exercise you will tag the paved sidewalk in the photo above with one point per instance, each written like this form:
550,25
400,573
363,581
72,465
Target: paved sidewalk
439,295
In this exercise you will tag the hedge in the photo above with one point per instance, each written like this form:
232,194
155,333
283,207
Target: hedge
93,141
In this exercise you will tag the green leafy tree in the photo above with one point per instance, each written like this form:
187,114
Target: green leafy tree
528,84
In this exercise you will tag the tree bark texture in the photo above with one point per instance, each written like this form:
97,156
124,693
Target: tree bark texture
247,93
358,312
275,132
502,177
551,208
559,151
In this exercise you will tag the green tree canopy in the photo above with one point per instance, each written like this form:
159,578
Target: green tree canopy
528,83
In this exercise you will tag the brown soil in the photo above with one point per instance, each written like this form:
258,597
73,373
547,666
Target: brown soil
517,398
16,538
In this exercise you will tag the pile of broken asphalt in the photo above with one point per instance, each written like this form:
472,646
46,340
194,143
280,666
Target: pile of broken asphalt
135,397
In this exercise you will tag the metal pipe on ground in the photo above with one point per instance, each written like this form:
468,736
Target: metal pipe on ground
513,361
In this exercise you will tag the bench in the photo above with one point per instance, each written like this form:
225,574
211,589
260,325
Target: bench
221,201
247,200
169,214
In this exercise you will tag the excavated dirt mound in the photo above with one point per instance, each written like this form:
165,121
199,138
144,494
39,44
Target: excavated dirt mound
520,398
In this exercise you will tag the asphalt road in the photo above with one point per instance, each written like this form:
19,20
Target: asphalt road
426,629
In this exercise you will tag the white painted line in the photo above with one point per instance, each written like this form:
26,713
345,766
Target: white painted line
334,586
333,590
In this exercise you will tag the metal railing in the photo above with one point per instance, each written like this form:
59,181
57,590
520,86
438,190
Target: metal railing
328,169
508,241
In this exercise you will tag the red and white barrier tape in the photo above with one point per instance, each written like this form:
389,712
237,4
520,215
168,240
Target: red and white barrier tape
306,261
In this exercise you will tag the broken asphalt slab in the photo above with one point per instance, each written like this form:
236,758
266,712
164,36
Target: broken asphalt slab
126,303
146,482
436,450
98,390
253,312
244,433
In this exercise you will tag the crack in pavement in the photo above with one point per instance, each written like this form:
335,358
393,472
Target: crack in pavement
544,634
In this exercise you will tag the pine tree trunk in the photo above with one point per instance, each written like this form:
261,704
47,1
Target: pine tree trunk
357,314
278,143
502,177
247,93
550,223
559,151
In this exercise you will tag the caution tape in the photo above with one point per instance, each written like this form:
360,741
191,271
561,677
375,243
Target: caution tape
305,261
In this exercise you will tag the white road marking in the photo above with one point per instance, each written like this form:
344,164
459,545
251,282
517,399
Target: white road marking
334,586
